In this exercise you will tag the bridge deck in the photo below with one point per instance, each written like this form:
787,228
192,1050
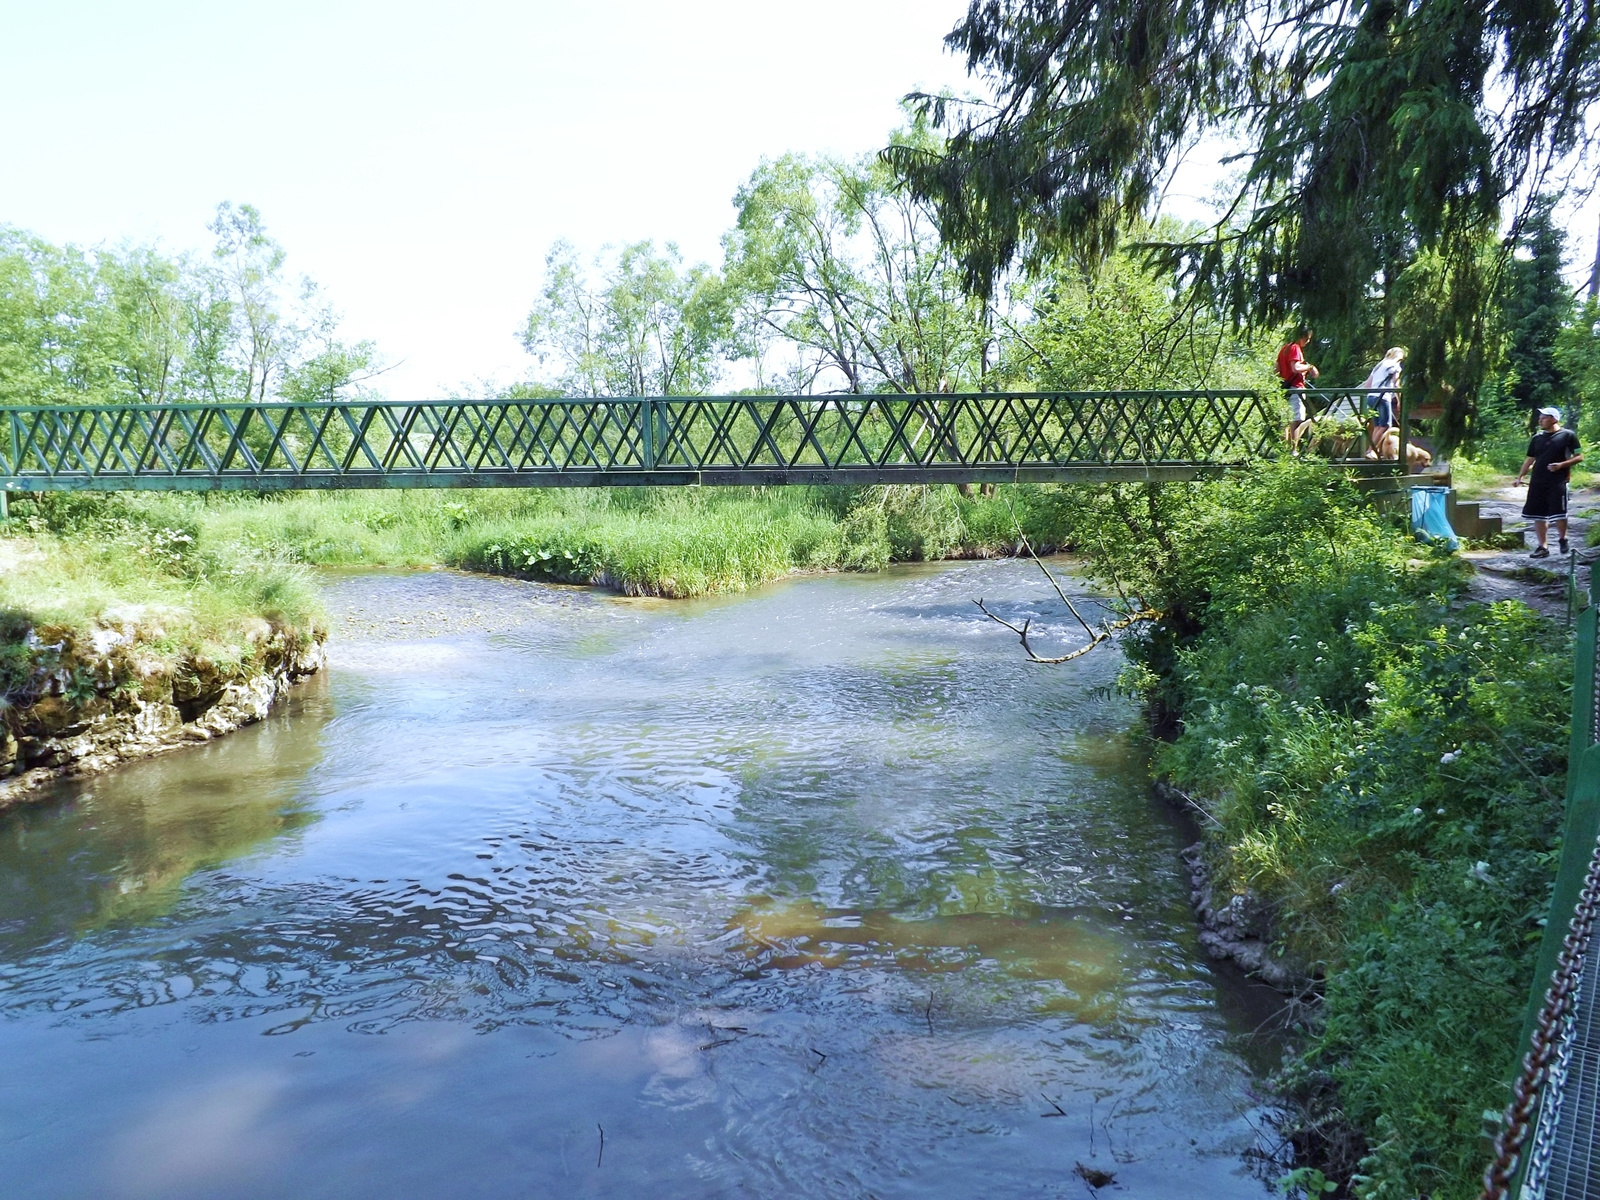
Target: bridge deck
655,441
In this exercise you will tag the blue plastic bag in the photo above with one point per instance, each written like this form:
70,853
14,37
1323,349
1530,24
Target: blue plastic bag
1430,516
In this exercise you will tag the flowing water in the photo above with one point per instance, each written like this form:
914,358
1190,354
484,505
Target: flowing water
819,892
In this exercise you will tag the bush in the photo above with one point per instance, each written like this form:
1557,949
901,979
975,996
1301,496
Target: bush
1384,767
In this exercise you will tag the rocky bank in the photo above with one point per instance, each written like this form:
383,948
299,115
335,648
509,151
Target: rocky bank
1238,927
80,702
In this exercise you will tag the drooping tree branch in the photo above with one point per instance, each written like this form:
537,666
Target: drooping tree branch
1371,136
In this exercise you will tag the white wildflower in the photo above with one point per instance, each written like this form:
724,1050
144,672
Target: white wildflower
1480,872
1449,757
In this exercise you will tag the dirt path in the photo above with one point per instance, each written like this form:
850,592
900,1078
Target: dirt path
1539,583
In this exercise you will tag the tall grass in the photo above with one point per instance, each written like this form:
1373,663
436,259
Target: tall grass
103,605
77,562
658,542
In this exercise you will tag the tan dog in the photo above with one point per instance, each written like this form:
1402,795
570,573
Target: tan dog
1416,456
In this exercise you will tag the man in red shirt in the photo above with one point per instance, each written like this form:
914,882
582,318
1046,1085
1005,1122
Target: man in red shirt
1293,371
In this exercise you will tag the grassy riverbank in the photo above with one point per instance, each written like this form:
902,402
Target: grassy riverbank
656,542
116,627
1382,764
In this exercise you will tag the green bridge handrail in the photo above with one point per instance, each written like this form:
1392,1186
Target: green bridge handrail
657,440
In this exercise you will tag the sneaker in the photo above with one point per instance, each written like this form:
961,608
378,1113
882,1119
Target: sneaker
1564,547
1540,552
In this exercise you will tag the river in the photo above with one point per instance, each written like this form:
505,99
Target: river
819,891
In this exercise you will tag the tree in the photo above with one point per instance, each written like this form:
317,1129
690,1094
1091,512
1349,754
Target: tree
334,370
1577,357
1118,326
133,325
1371,133
848,272
52,325
145,322
1537,304
647,327
251,264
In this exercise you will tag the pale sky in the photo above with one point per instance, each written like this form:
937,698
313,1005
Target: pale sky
418,160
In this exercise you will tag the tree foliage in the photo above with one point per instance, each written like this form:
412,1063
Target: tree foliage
1379,762
1538,304
646,326
1117,326
1372,133
847,274
834,279
1577,356
136,326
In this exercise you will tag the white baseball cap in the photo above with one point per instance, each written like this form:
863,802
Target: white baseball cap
1550,412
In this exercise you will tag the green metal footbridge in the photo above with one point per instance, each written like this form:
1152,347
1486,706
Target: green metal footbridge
986,437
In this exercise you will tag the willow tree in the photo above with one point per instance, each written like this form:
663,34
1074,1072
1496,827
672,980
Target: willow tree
1372,134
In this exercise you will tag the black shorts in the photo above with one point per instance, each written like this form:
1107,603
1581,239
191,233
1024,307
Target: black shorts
1546,499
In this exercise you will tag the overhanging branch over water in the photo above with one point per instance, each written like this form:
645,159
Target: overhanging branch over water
988,437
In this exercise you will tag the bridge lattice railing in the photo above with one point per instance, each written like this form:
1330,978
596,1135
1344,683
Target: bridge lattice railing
638,439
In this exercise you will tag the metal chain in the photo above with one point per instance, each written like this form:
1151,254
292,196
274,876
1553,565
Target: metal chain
1542,1152
1547,1034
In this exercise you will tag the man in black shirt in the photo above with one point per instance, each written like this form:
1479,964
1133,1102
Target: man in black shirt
1551,455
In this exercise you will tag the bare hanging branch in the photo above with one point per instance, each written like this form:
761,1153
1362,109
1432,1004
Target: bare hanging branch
1104,633
1097,634
1039,562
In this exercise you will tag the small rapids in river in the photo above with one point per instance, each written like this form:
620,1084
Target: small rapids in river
820,891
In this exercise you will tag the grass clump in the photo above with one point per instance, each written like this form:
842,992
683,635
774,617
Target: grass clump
674,549
75,561
1382,764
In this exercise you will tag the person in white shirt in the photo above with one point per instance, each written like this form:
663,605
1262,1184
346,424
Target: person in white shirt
1382,386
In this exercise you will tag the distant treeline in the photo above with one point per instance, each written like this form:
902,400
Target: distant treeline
833,279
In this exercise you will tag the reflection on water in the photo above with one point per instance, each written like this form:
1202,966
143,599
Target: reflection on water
118,848
817,892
